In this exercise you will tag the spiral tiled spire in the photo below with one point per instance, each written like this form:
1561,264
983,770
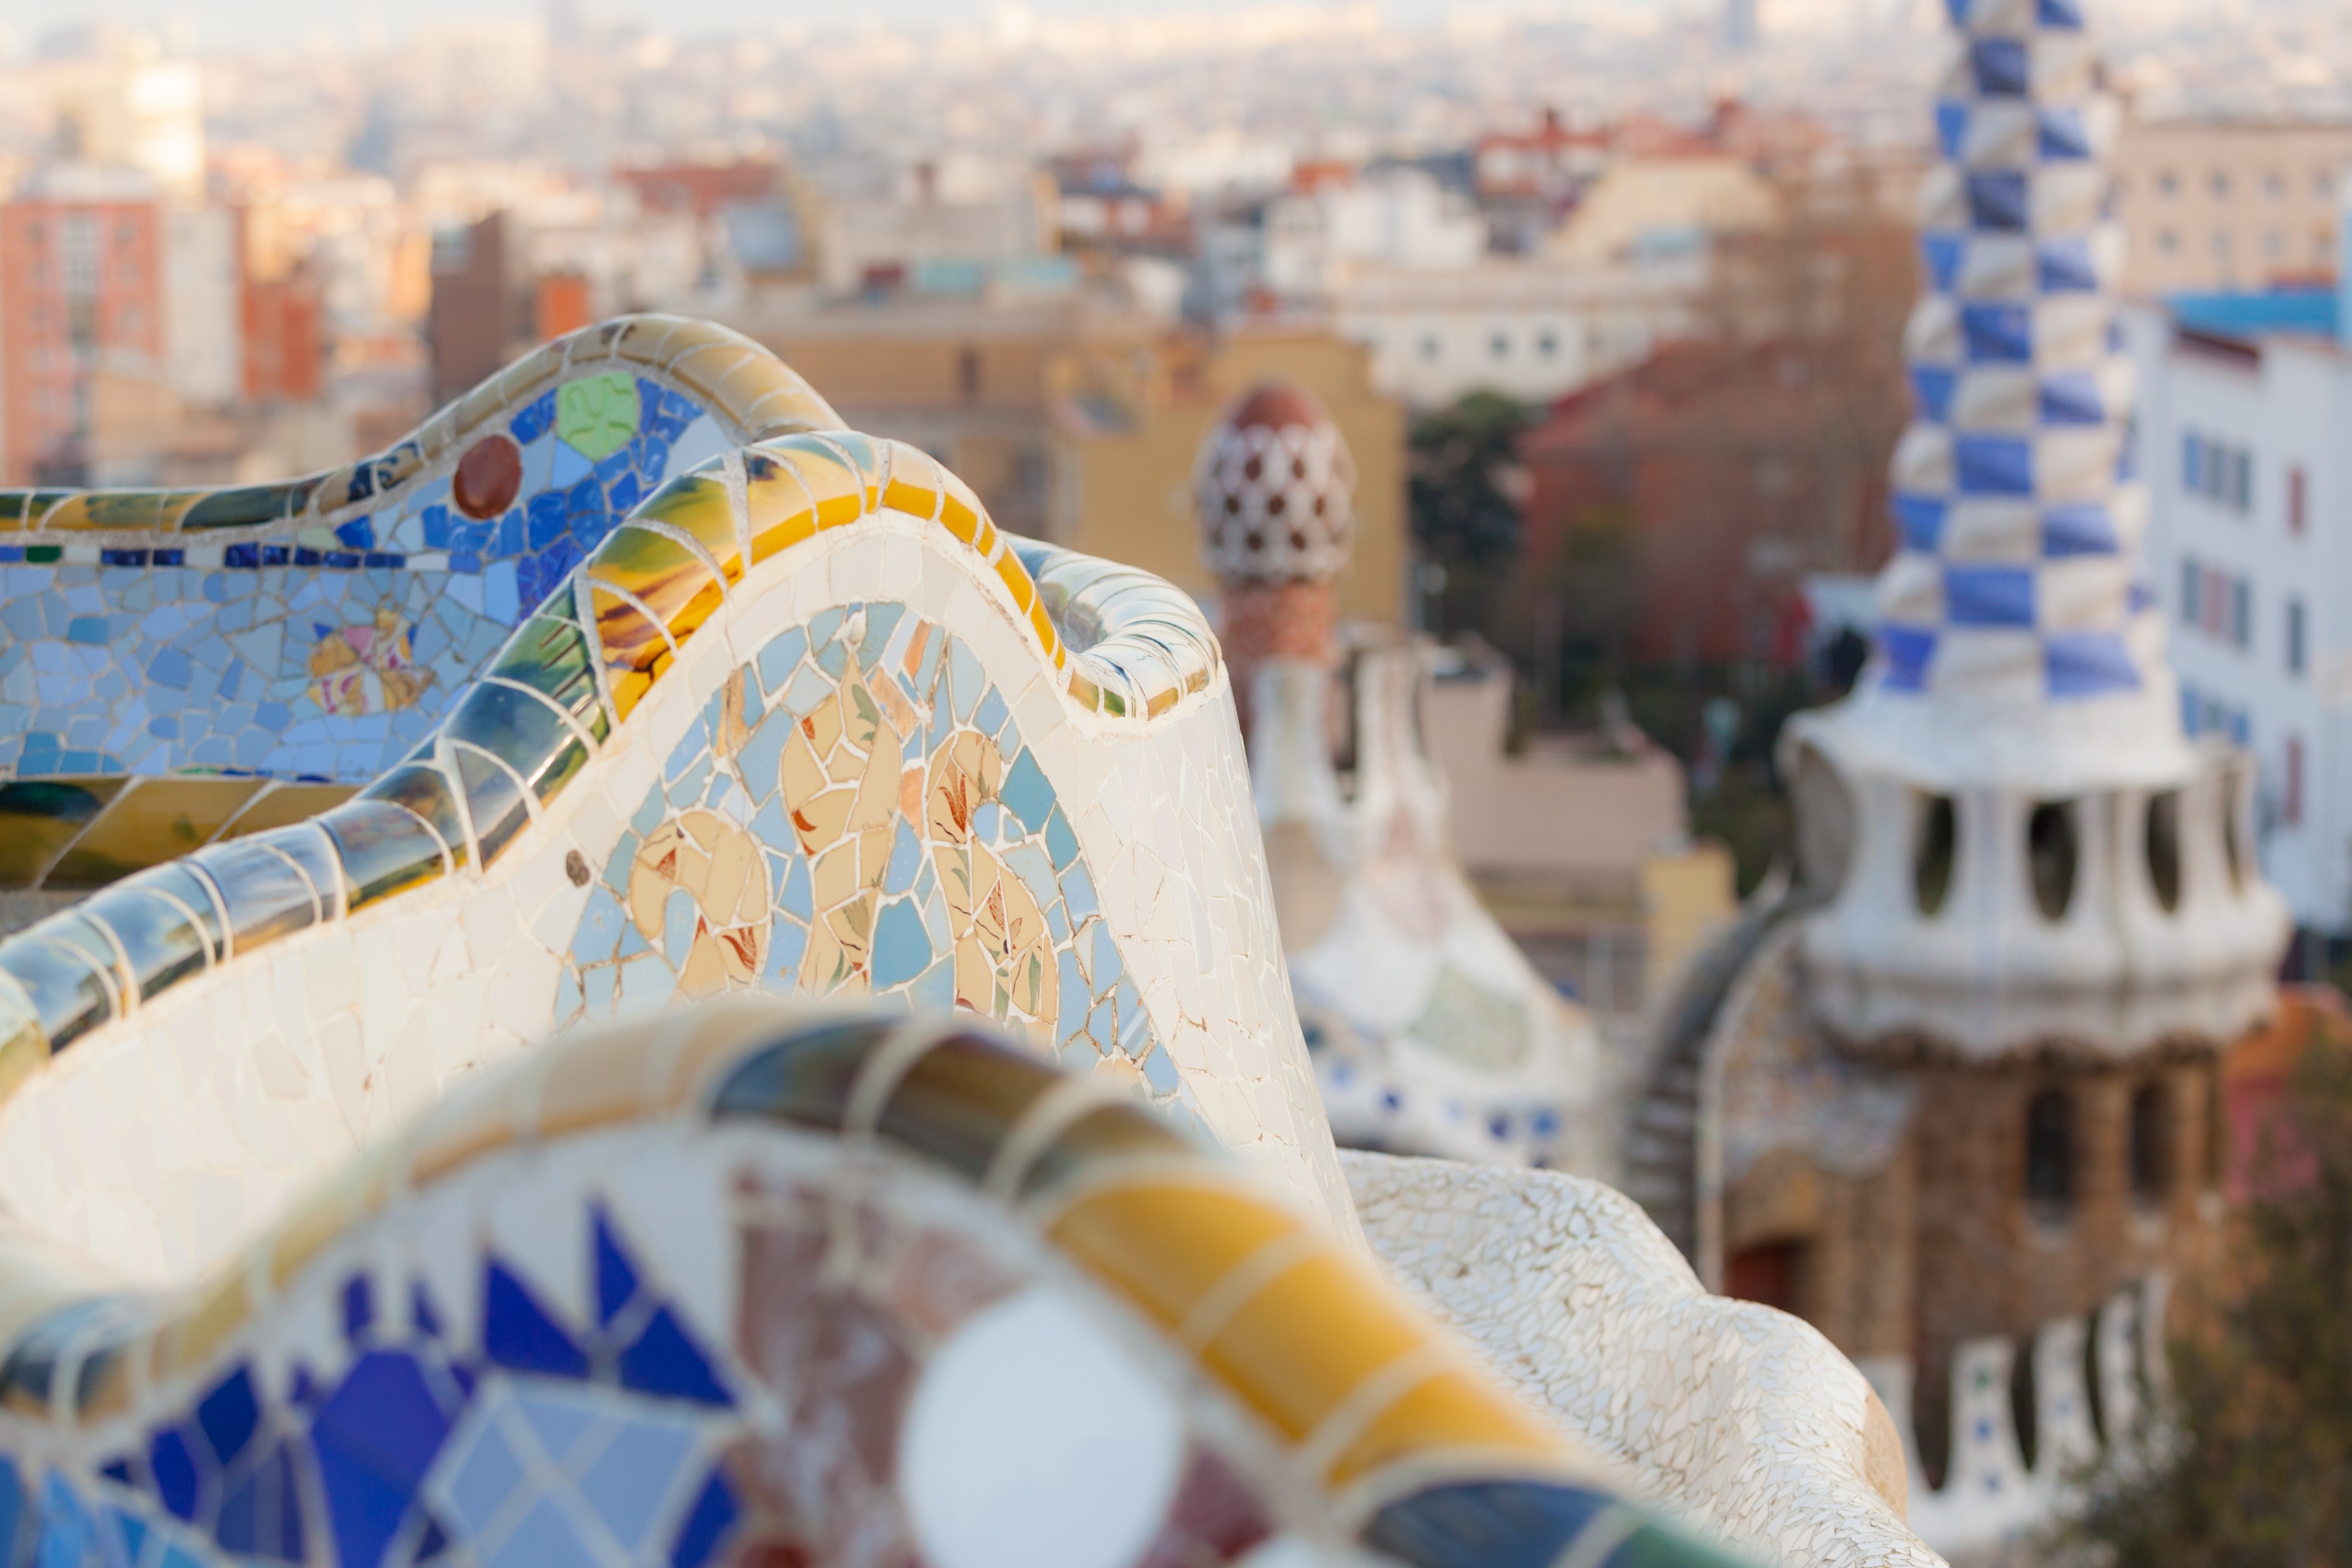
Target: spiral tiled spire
2014,842
2017,576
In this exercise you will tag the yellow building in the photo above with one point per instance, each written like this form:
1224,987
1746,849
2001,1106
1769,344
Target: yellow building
1079,426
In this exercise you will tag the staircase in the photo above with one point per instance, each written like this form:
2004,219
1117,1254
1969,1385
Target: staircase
1659,1155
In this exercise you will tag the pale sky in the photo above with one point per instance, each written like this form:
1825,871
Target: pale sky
218,24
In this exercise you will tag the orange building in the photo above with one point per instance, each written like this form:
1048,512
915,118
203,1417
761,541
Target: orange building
81,321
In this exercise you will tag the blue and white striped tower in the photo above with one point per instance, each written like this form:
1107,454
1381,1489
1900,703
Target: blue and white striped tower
2023,845
2016,588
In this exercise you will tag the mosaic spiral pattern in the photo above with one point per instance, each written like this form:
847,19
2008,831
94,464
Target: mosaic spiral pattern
2017,574
677,1295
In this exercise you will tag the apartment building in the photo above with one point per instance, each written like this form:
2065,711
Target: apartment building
2227,204
2243,405
81,324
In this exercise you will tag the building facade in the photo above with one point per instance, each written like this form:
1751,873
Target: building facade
2223,204
82,350
1527,329
2250,543
1078,423
1744,468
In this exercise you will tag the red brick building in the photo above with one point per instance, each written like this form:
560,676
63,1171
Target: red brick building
281,343
1742,469
82,317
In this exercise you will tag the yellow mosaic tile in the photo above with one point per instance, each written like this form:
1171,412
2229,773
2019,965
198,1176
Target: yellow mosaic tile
828,476
1452,1410
697,505
1303,1343
1165,1245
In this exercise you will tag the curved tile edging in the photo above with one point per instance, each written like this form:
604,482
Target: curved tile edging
1381,1425
1742,1418
747,384
566,678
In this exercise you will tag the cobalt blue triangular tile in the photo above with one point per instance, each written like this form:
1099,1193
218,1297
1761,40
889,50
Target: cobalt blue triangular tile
420,1308
173,1465
518,1333
359,1306
664,1361
616,1280
229,1415
707,1523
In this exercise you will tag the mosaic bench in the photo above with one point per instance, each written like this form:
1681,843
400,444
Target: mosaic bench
178,665
763,1286
804,723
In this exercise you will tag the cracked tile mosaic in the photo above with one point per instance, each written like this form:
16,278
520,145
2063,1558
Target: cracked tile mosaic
1763,1433
857,813
802,722
322,639
846,764
692,1327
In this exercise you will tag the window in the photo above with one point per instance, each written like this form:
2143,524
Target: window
1932,854
2220,183
2217,1130
2218,472
1546,343
2220,244
2052,856
2291,783
2295,654
2167,183
2050,1149
2164,849
1498,347
2233,849
1429,347
2168,242
78,242
2151,1142
2274,243
2274,186
1772,1273
2242,612
1031,473
2191,580
968,373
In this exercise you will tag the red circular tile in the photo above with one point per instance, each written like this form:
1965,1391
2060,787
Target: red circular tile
488,477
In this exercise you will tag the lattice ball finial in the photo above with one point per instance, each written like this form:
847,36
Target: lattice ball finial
1275,487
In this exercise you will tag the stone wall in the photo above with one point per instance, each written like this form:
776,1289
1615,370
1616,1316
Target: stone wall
1850,1245
1993,1260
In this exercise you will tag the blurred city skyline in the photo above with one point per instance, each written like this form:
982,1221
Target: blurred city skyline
209,25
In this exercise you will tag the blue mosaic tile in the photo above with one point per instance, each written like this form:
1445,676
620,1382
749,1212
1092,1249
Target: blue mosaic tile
520,1334
708,1524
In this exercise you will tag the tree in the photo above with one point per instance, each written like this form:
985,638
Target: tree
1464,493
2260,1472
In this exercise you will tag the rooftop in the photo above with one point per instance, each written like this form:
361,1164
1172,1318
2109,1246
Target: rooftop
2299,310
